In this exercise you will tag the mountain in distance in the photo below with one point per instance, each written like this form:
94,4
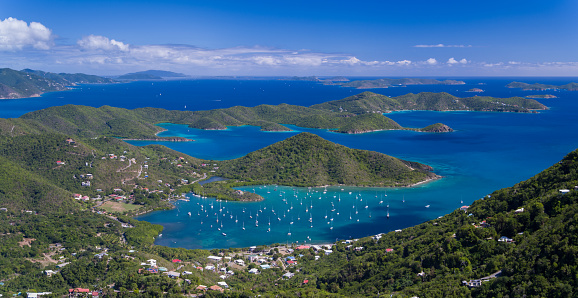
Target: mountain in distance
309,160
31,83
537,86
151,75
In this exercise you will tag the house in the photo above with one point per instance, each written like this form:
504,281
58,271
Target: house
78,292
389,250
85,183
214,258
291,262
187,273
519,210
328,251
153,270
216,288
303,247
305,281
265,266
62,265
223,284
172,274
564,191
176,261
201,288
359,248
505,239
254,271
464,208
152,262
50,272
34,295
474,283
60,163
288,275
209,267
240,262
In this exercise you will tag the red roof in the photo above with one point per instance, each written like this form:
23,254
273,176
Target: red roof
389,249
303,247
176,261
306,281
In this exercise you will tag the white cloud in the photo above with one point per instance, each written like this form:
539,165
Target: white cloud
431,61
441,45
97,42
16,35
452,61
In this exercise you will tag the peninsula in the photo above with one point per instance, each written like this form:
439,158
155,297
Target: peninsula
31,83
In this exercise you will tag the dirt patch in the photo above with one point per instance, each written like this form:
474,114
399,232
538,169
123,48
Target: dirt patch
26,241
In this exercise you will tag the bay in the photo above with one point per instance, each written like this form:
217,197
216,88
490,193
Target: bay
488,151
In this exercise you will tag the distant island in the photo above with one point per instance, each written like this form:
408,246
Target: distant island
150,75
387,83
475,90
31,83
540,87
369,102
541,96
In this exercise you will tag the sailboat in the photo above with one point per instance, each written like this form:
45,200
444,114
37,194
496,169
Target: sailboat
243,225
289,234
387,213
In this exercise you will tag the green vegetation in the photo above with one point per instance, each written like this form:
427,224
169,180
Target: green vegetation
369,102
308,160
27,83
537,86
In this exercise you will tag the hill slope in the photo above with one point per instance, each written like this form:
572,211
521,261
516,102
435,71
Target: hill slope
308,160
28,83
369,102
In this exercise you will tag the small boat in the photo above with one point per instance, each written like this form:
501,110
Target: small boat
189,213
427,206
224,234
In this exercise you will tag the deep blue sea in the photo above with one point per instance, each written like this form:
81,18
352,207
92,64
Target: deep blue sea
488,151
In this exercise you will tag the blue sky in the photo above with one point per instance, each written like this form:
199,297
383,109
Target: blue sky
355,38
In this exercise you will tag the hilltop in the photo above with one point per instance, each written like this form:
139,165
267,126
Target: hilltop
369,102
309,160
29,83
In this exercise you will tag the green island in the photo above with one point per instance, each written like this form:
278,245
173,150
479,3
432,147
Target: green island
537,86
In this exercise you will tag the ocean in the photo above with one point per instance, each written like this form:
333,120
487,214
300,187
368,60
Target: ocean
487,151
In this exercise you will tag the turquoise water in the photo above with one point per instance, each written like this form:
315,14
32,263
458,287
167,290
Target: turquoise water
488,151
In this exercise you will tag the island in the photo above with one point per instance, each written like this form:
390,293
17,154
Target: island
540,87
475,90
150,75
387,83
